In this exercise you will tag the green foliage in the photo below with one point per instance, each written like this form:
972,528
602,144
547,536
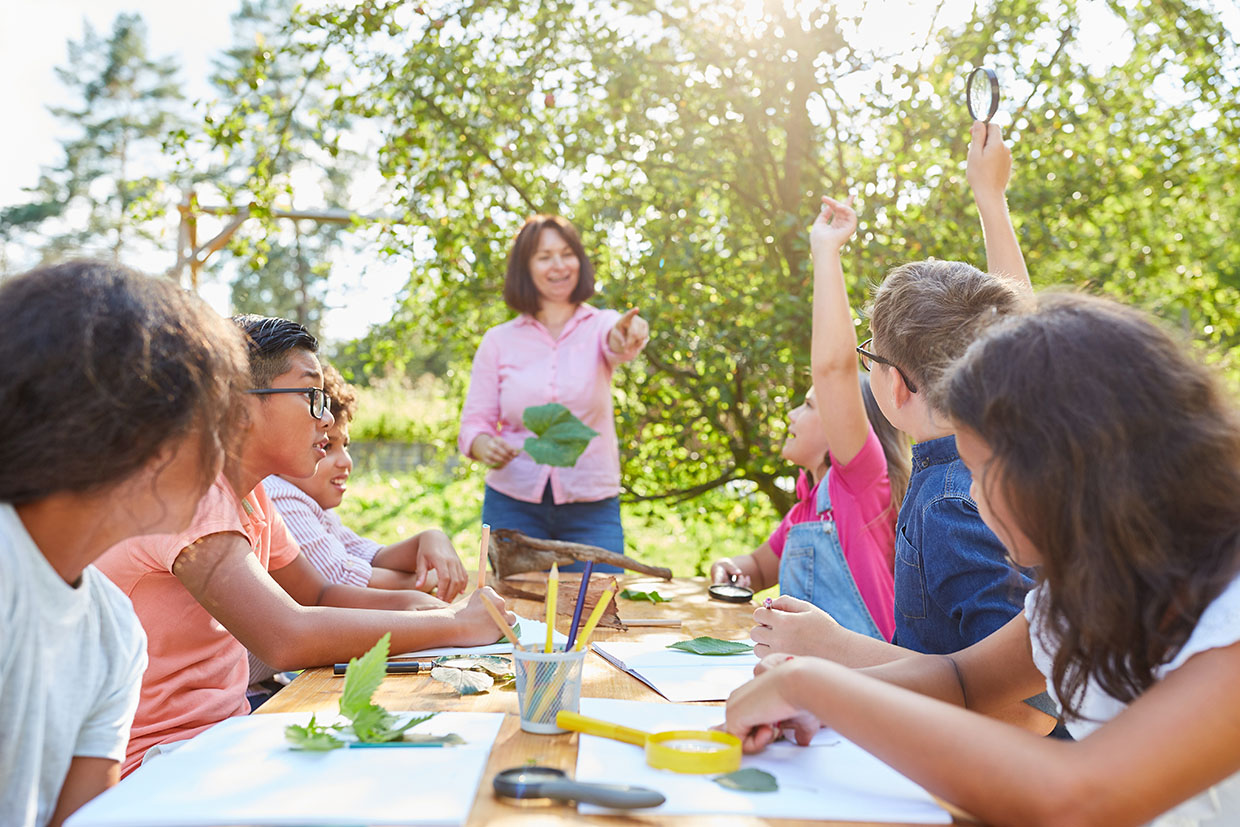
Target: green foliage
314,736
561,437
711,646
684,537
750,780
690,142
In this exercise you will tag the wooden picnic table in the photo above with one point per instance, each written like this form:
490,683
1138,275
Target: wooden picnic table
317,690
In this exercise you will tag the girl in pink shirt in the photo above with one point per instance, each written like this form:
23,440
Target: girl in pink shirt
835,547
558,349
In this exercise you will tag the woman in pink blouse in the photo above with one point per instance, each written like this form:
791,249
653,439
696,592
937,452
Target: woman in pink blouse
558,349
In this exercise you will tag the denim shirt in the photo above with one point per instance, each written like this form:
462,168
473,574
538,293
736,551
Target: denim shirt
954,584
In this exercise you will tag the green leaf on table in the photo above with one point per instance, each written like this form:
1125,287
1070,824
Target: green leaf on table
370,722
464,681
748,780
375,725
651,596
711,646
313,737
363,677
561,437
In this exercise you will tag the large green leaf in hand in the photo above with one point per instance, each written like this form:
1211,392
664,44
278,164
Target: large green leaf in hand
561,437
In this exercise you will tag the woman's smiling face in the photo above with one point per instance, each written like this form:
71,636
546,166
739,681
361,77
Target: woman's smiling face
554,267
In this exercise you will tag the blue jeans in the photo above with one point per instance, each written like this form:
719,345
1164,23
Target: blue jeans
595,523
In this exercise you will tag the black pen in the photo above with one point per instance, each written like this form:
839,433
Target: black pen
394,667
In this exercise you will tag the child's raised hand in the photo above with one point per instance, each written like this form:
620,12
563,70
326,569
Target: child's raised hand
835,224
793,626
990,162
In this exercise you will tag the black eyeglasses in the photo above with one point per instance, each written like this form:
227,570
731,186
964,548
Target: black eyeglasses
867,358
319,401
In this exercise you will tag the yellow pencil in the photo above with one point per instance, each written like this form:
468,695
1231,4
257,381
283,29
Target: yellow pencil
553,588
482,555
506,630
595,617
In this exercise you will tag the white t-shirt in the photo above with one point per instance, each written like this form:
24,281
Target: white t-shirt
71,664
1219,626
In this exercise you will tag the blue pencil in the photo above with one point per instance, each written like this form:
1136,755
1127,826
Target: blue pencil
581,602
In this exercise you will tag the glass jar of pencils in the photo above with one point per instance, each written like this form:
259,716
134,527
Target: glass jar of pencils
546,683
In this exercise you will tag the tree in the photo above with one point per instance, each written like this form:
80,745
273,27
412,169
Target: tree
274,115
690,140
111,191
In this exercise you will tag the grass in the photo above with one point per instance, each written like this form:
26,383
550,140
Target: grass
685,537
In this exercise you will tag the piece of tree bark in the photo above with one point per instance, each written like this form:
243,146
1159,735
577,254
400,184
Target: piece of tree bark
512,552
533,586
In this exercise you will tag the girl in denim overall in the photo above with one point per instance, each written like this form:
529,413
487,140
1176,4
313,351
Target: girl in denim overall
835,548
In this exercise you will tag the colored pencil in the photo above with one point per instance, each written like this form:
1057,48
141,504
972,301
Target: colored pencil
501,623
482,555
393,667
581,602
553,588
595,616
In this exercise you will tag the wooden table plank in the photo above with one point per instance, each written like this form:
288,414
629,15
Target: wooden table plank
317,690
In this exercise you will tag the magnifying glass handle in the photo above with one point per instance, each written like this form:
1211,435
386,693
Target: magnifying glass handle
618,796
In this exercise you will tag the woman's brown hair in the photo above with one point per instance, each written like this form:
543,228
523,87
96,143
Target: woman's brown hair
100,368
519,291
1119,457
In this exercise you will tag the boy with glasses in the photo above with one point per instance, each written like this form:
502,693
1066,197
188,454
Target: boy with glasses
236,580
954,584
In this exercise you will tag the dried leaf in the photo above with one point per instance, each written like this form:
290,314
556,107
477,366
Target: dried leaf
464,681
491,664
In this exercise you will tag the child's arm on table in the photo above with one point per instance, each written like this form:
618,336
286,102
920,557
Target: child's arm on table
989,169
794,627
833,353
757,570
1171,743
300,622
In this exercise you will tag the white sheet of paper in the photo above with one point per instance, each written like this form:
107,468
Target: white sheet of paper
679,676
832,779
533,633
241,771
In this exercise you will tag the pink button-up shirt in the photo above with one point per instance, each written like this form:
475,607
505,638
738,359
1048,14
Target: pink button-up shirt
518,365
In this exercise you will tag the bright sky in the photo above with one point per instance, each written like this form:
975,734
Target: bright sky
33,38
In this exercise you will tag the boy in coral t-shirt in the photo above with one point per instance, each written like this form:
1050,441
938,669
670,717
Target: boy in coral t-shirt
236,580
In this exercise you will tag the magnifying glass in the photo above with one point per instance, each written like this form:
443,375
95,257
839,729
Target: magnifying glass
982,94
730,593
697,751
545,782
